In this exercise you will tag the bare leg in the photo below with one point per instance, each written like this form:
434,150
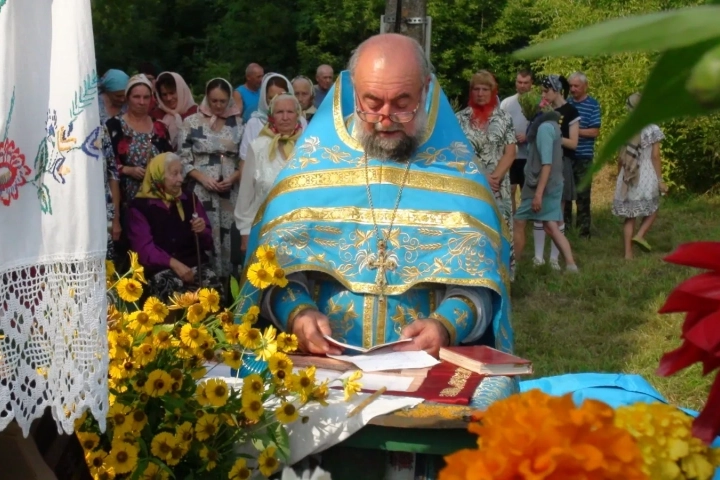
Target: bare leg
552,229
628,230
513,189
519,238
646,224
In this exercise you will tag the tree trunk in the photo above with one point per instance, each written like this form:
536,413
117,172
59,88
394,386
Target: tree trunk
406,17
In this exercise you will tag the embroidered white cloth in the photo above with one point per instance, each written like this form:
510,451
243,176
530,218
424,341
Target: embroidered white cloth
53,349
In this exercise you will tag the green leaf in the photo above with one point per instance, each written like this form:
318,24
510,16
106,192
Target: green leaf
234,287
43,193
664,97
41,159
651,32
282,440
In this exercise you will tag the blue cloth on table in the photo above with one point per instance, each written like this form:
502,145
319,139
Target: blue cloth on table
612,388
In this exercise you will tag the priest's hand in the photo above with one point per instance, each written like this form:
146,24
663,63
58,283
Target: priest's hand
309,327
427,334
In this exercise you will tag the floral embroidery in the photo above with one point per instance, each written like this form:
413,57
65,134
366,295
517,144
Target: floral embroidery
93,144
13,171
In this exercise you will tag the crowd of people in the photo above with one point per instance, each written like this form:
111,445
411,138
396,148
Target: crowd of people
230,148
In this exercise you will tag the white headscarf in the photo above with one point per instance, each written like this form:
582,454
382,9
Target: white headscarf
263,107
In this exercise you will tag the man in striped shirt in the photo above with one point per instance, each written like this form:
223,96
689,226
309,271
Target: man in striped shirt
590,123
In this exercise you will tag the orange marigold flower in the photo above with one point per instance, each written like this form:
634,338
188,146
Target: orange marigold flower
534,435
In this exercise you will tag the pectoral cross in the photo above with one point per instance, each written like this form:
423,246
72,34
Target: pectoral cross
382,262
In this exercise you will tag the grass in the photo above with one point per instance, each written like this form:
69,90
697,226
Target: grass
605,319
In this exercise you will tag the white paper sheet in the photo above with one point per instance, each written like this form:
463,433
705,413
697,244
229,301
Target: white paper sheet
375,381
379,362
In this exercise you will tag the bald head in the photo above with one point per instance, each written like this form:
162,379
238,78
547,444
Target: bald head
390,76
324,77
253,76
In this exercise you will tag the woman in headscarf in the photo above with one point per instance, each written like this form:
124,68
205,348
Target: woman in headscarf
135,137
170,231
112,94
267,155
639,183
272,84
491,134
209,142
305,93
175,103
555,89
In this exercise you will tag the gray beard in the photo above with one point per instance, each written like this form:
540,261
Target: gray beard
400,150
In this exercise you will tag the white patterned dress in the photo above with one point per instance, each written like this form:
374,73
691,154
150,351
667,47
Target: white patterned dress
216,155
642,199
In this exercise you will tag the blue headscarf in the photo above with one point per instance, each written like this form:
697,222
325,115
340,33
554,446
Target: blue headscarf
113,81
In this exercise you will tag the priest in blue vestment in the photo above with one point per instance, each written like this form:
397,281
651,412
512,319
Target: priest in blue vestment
383,221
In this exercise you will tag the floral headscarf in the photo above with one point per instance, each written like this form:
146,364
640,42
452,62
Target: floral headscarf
153,185
231,110
279,140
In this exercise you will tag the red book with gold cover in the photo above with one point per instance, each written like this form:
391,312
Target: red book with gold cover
485,360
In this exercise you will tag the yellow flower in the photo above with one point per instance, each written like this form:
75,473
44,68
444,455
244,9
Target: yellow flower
287,342
226,317
162,445
249,337
259,276
664,435
280,361
109,269
279,278
144,354
233,359
266,255
209,299
138,270
304,382
129,289
250,318
154,472
268,347
206,427
210,456
184,434
193,337
217,392
252,407
287,413
156,309
181,301
321,393
123,457
196,313
105,472
88,440
96,460
139,420
232,333
162,339
158,383
351,386
239,470
140,322
253,385
267,463
118,417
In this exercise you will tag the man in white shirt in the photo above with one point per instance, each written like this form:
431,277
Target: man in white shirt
523,84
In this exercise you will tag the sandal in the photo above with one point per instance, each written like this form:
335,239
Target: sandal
640,242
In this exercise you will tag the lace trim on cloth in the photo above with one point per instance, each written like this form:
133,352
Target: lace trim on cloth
635,208
53,341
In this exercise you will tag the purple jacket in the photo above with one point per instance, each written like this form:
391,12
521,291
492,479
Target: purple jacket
157,233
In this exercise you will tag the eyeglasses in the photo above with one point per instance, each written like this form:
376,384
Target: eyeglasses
398,117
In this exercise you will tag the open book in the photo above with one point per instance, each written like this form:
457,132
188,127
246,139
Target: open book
355,348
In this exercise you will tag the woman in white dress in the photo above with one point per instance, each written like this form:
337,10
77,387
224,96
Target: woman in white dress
639,183
266,157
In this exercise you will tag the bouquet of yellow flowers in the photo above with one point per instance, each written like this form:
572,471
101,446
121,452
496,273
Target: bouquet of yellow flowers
166,418
535,435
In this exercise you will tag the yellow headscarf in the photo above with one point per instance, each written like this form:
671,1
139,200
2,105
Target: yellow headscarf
153,185
279,140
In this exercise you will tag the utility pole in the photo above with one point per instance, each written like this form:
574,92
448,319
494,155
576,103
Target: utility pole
408,17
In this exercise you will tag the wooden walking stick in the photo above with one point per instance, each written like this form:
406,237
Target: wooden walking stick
197,243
